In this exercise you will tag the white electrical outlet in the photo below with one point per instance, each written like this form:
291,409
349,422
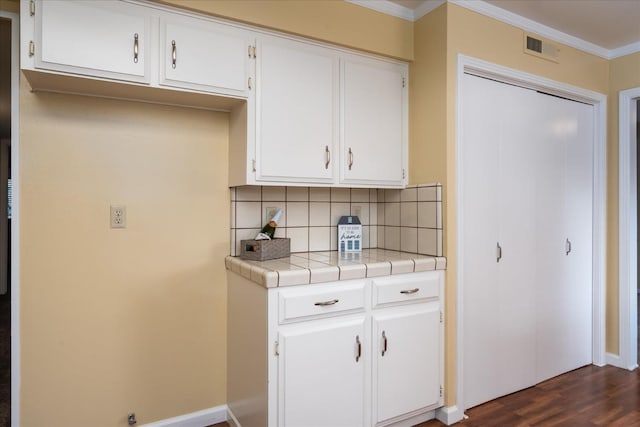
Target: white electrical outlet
269,213
118,216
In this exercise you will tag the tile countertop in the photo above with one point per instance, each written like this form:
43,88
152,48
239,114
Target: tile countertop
318,267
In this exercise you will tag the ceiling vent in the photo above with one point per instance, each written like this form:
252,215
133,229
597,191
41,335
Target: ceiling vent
537,46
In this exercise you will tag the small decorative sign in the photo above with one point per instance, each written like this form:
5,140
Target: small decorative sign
349,234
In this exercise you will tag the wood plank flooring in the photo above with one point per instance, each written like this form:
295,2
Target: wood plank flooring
589,396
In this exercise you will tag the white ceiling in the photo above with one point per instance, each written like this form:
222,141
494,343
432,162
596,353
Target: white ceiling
607,25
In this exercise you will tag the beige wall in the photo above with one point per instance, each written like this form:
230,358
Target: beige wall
119,320
624,74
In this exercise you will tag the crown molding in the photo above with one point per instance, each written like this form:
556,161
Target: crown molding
502,15
532,26
387,7
426,7
625,50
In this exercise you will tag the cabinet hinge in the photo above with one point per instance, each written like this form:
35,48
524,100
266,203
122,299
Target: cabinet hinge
253,164
276,348
441,391
441,316
32,7
251,50
404,82
249,85
404,174
32,48
254,52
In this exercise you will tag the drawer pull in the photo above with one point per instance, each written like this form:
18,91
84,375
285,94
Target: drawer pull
384,343
410,291
135,48
174,54
359,345
327,157
326,303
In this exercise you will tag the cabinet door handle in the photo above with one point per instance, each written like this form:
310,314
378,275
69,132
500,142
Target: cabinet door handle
498,252
384,343
350,158
567,247
359,347
327,157
410,291
326,303
135,48
174,54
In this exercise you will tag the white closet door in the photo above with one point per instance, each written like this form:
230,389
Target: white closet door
564,330
499,310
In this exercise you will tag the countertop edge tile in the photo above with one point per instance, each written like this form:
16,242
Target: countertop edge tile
372,263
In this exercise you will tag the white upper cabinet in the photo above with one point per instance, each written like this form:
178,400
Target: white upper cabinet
301,112
296,111
105,39
203,55
373,131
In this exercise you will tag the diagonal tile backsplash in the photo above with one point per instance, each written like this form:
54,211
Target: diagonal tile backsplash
408,220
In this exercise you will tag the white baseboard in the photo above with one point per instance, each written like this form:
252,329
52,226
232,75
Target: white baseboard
231,419
203,418
618,362
449,415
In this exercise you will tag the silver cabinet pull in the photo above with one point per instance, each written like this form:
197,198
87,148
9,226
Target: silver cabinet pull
410,291
327,157
326,303
499,252
567,247
174,54
350,158
359,346
384,343
135,48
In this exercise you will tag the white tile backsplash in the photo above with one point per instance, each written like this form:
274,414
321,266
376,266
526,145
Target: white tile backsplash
340,194
409,214
319,194
409,220
297,214
297,194
273,194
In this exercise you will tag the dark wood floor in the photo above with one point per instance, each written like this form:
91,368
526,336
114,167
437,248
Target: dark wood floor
588,396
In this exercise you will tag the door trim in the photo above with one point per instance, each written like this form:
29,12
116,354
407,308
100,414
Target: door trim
15,224
467,64
628,248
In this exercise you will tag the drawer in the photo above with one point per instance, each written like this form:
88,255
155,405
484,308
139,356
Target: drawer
406,287
310,301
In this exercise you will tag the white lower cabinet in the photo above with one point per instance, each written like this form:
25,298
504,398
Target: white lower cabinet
366,352
406,360
321,373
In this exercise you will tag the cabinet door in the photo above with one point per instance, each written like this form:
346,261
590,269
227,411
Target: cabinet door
498,214
564,333
204,55
297,111
97,38
322,373
407,363
374,122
